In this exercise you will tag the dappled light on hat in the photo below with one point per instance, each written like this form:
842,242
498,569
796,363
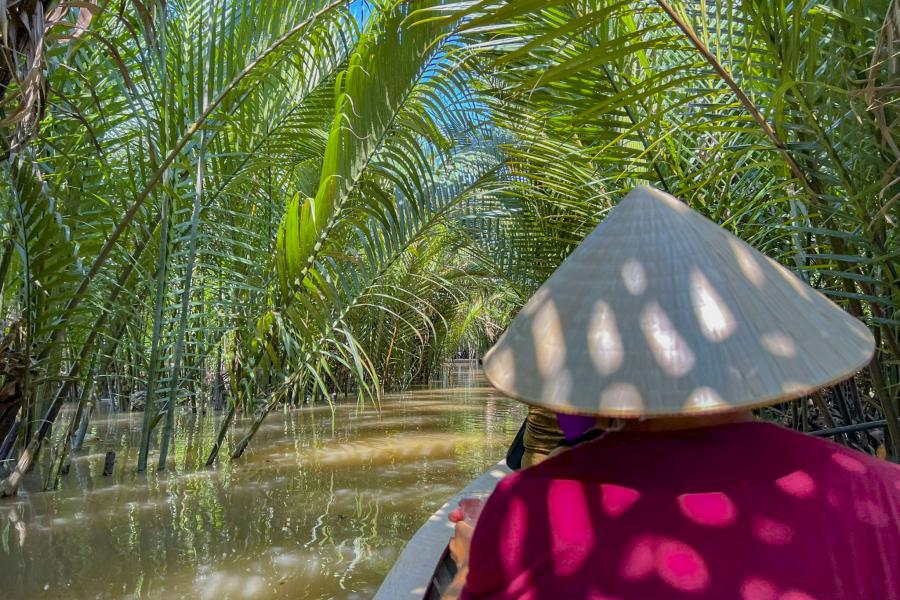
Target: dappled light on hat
634,277
795,282
779,344
558,388
620,396
747,262
505,367
672,352
660,312
795,389
604,341
716,321
704,399
546,326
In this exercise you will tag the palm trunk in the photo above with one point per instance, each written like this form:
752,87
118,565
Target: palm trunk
223,430
175,378
149,420
54,474
260,417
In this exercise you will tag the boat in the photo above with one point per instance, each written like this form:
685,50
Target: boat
424,568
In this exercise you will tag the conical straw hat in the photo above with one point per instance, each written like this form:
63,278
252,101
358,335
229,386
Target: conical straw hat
660,312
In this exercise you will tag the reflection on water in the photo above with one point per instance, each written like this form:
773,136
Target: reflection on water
315,509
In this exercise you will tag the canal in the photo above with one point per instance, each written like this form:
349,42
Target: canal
318,507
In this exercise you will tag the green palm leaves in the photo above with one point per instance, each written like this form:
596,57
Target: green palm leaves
264,201
190,131
367,132
390,175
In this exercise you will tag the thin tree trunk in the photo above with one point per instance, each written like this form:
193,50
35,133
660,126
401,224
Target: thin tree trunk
887,405
153,372
8,248
223,430
54,474
175,379
245,441
78,441
8,445
10,486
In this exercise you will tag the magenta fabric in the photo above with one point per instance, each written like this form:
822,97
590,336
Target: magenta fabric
574,425
747,511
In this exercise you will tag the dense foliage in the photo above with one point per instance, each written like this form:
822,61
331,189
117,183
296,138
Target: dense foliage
237,203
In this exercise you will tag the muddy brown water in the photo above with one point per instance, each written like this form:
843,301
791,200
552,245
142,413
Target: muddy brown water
318,507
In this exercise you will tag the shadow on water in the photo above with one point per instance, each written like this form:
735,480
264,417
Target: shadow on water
313,510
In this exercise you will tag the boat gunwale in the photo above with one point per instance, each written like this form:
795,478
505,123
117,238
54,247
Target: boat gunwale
413,570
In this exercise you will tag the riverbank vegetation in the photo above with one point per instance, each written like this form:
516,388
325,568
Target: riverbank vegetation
232,204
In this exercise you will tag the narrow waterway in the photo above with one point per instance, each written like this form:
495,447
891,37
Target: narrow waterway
318,507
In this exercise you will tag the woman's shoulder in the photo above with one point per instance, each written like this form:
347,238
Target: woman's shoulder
572,463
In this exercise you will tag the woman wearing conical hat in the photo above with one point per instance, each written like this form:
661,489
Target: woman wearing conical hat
676,329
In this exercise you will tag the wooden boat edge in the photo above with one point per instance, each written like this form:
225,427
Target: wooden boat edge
411,574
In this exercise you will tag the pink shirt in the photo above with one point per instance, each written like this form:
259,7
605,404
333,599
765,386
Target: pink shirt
747,511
